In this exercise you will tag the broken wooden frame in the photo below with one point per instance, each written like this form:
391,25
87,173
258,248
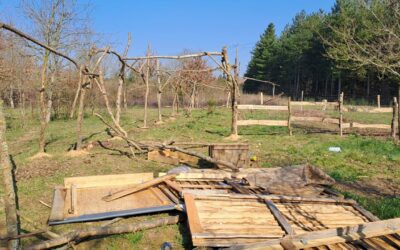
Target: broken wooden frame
222,220
370,235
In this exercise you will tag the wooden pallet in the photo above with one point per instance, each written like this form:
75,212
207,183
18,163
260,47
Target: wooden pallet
220,220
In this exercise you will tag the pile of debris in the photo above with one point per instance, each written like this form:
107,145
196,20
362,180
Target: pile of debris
249,208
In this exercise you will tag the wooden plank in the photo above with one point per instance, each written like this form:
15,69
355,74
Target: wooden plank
299,103
306,119
282,123
274,198
193,216
365,213
174,186
333,236
262,107
279,217
107,180
137,188
57,208
376,126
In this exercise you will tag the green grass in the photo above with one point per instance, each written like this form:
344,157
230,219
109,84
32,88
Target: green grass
363,160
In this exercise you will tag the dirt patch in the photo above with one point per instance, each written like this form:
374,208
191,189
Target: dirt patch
37,169
40,156
378,187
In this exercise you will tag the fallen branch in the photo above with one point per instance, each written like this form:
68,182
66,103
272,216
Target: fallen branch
81,234
140,146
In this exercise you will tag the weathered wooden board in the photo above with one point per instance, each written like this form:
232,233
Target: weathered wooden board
280,123
221,222
224,220
107,180
82,198
234,153
372,235
262,107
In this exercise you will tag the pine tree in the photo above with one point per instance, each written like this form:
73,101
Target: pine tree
261,54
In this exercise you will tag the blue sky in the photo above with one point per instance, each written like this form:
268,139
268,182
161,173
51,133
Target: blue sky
171,26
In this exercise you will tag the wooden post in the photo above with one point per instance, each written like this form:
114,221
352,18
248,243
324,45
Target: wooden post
146,81
302,99
341,114
10,196
378,101
289,117
159,92
81,109
261,98
394,119
233,85
273,90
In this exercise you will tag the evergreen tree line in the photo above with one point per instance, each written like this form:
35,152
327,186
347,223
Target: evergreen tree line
299,59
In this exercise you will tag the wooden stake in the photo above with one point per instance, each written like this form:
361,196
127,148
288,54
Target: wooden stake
159,91
273,90
378,101
394,118
261,98
341,114
234,90
10,196
146,81
289,117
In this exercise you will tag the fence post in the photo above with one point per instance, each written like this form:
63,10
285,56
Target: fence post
289,117
394,119
273,90
341,114
378,101
261,98
302,99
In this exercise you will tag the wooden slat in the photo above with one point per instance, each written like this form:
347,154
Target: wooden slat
333,236
137,188
262,107
107,180
281,123
306,119
279,217
193,216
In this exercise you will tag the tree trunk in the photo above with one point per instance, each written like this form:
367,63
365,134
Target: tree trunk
121,80
146,95
42,104
12,97
80,119
10,197
398,110
234,89
78,89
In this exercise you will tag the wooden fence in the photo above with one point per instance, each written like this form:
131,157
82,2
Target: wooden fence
341,109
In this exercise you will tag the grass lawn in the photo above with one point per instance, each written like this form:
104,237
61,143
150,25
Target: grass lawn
367,169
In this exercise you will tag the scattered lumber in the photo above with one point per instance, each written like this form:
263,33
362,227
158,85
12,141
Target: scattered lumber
331,237
137,188
81,234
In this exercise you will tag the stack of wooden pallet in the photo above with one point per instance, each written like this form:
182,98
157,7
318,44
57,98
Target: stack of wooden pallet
224,210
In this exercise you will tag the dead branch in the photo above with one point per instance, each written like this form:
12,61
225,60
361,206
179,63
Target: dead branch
156,145
82,234
33,40
173,57
256,80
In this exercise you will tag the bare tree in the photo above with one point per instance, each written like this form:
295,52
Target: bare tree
59,24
